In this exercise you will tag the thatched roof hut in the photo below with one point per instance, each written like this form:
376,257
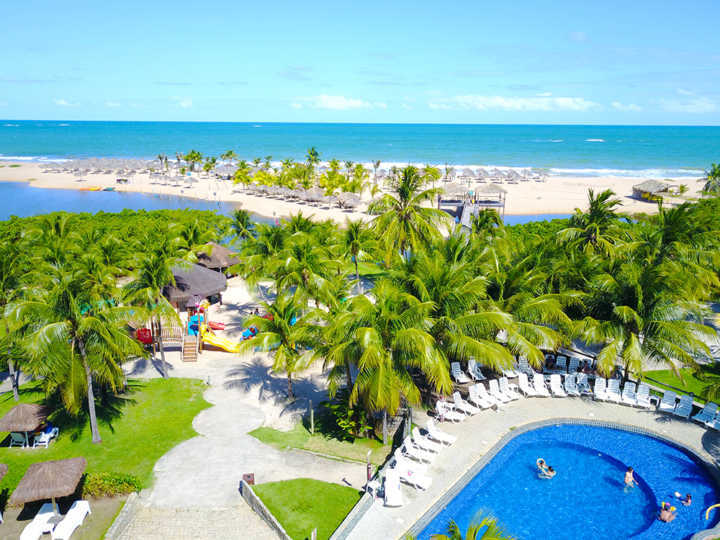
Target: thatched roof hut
218,257
650,189
24,417
195,280
49,480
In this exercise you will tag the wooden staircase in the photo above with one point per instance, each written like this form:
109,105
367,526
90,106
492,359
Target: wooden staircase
190,349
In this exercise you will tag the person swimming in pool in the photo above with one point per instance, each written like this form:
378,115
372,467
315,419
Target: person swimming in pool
667,513
541,465
549,473
629,478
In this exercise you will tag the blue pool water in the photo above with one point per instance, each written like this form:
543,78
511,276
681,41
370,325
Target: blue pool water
587,498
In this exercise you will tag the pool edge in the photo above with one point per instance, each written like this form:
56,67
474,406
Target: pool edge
471,472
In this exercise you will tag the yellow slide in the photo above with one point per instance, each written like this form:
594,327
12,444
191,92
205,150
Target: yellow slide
221,343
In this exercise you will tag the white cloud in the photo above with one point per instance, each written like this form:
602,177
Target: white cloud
405,106
63,102
544,94
296,105
684,92
185,103
696,105
629,107
483,103
336,103
112,104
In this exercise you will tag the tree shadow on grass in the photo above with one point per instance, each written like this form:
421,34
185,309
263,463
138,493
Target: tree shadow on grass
108,408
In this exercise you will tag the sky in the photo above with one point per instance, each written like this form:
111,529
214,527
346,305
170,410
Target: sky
556,61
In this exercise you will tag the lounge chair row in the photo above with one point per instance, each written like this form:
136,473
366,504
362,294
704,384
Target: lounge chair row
42,522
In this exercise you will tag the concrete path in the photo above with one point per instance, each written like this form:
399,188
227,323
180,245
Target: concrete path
478,434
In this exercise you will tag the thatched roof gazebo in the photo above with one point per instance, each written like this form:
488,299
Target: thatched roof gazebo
219,257
195,280
49,480
650,190
24,418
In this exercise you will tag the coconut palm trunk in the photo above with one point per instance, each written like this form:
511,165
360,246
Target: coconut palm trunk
291,394
90,395
385,427
11,369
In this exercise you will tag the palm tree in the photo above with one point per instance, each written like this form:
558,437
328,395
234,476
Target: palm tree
712,180
406,222
357,243
348,169
209,164
305,264
486,529
242,173
485,222
192,158
67,326
13,270
594,230
229,156
243,226
260,254
287,333
312,158
376,166
385,339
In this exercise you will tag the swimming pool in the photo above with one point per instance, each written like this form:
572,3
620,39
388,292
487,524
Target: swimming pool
587,498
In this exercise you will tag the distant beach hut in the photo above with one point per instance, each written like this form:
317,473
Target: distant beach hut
217,257
650,190
24,418
49,480
194,280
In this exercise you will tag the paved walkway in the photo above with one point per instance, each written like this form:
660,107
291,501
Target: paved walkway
478,434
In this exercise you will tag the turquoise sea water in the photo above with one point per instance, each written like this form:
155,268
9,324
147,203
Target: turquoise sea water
653,151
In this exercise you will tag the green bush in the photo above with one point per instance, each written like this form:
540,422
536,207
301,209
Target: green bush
106,484
352,421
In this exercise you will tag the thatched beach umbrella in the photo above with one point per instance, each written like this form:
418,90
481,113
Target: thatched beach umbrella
24,418
219,257
49,480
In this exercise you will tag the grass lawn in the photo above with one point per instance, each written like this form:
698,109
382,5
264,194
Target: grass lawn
366,269
300,437
689,383
301,505
136,429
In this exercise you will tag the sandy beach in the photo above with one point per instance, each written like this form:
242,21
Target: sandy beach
558,195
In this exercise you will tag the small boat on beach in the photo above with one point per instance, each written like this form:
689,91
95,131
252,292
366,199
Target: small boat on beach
91,188
109,189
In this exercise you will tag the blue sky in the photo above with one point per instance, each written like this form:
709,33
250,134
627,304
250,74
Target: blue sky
639,62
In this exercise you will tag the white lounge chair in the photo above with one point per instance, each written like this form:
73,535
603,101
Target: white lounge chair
72,520
424,443
507,389
613,390
464,406
411,475
556,386
475,371
510,373
412,451
573,364
600,392
525,386
478,400
436,434
17,439
571,385
494,390
445,413
667,403
393,495
684,407
629,394
483,393
458,374
44,438
40,523
583,384
643,396
541,389
707,413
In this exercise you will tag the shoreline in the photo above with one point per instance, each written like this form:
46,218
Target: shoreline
558,195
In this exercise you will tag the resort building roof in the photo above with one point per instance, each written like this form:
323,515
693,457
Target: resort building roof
195,280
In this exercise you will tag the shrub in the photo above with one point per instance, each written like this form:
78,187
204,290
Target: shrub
109,484
352,421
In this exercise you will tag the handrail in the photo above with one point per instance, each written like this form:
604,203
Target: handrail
707,512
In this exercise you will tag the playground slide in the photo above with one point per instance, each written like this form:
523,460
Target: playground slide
221,343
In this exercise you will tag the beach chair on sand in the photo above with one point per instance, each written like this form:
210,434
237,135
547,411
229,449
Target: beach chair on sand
464,406
393,496
581,379
445,413
613,390
439,435
571,385
525,386
684,407
539,386
508,389
643,396
556,386
629,394
494,390
707,414
667,403
424,443
458,374
474,371
477,399
72,520
600,392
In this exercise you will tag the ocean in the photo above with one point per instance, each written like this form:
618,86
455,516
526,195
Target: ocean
646,151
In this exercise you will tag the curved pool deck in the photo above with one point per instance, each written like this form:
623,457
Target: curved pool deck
478,439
